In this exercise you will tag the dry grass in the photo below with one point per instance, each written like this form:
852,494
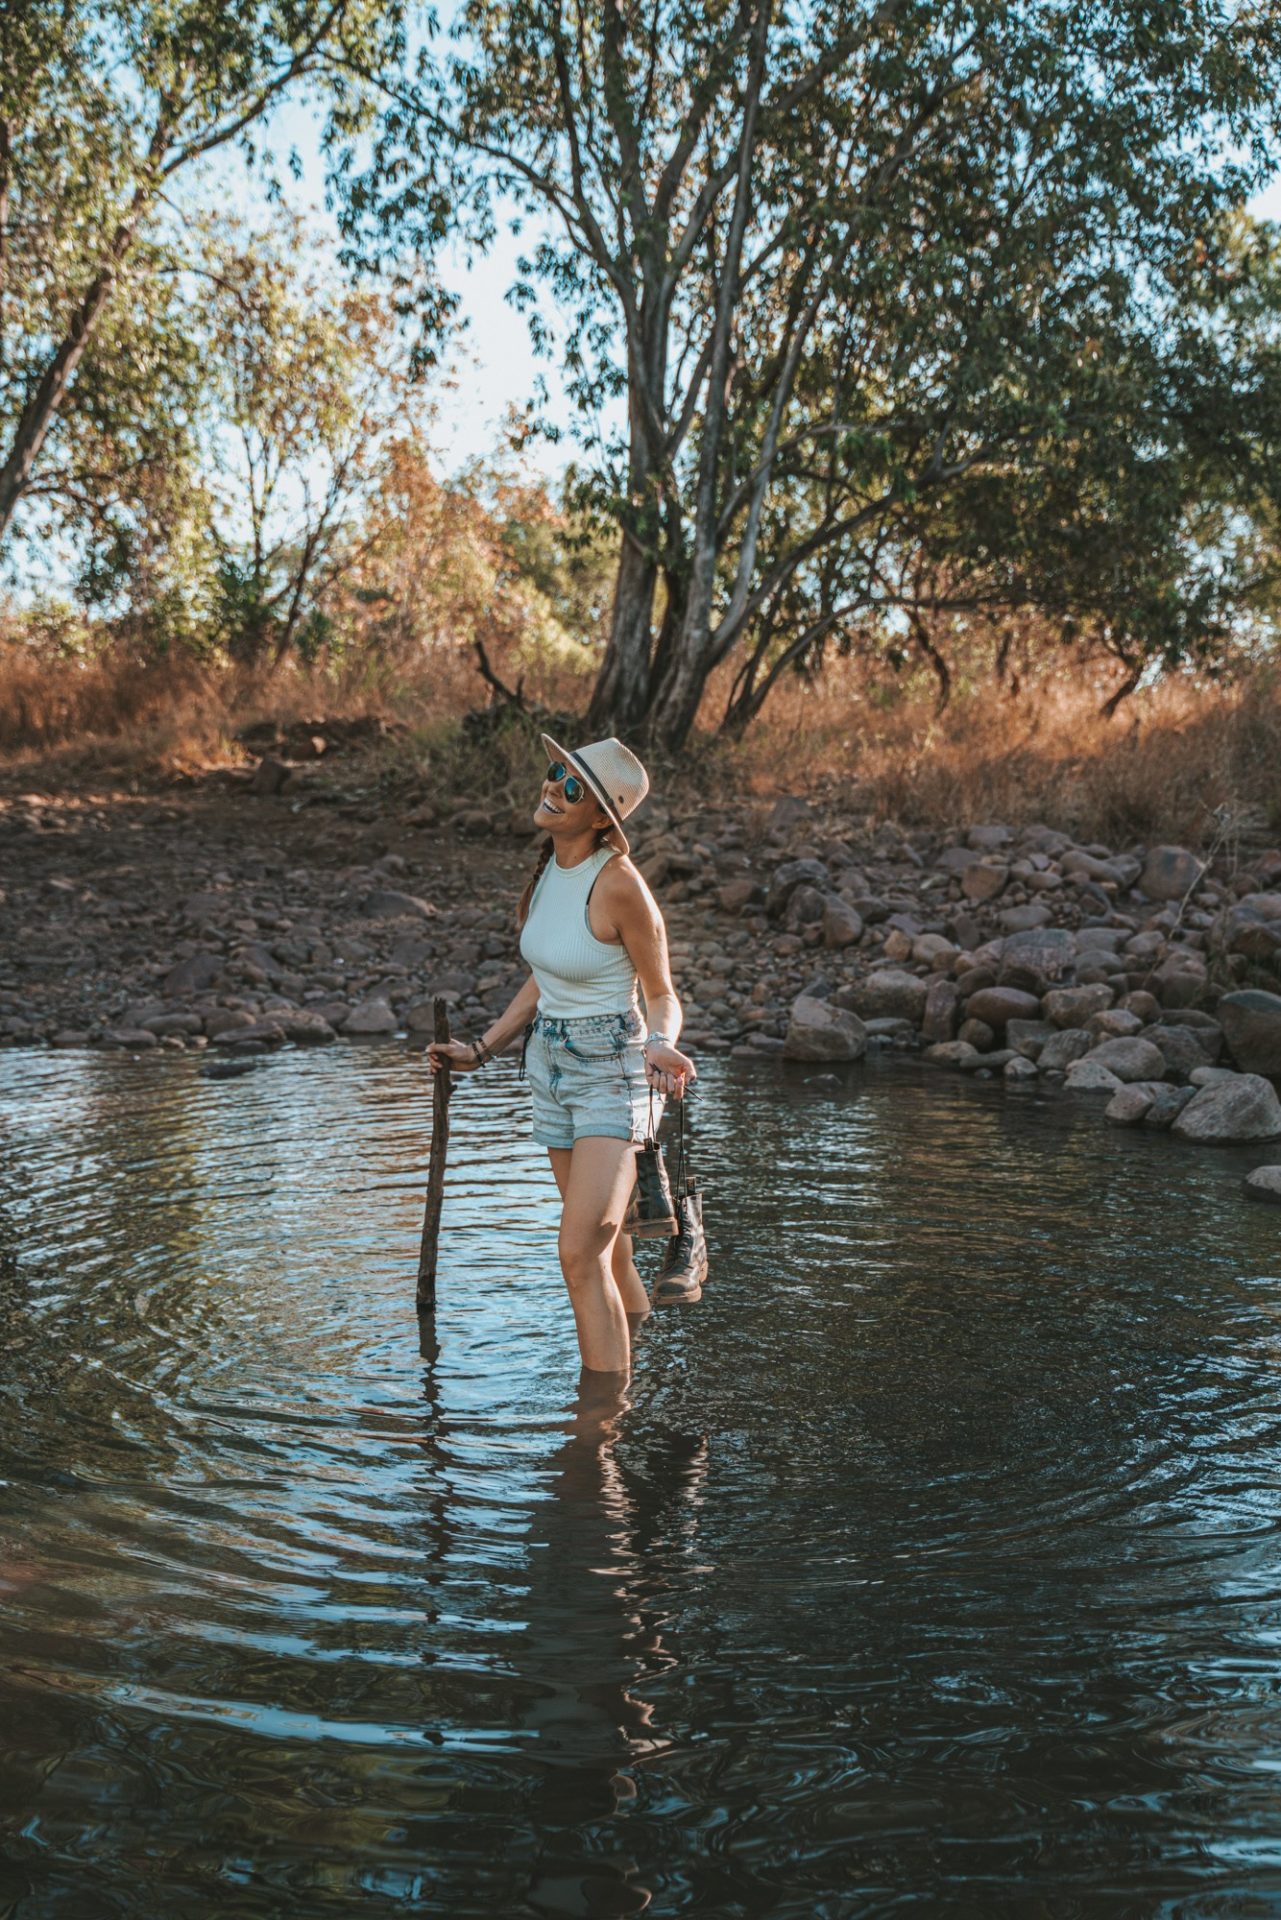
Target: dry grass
1182,760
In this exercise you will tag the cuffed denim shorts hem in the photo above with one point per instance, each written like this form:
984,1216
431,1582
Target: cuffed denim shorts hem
587,1079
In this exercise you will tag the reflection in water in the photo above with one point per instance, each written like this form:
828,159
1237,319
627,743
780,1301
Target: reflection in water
932,1564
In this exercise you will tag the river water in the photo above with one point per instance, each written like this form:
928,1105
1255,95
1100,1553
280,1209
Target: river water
934,1565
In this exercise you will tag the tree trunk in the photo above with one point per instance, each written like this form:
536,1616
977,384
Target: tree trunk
621,693
676,701
50,390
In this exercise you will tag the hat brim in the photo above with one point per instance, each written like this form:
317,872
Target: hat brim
616,836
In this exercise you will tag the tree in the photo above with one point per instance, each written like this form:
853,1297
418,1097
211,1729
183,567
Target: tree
309,390
103,104
841,261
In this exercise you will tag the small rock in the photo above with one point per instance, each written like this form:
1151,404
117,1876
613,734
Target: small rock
1073,1006
788,877
1065,1046
1128,1106
1169,873
1028,1036
1020,1068
371,1016
222,1019
938,1021
818,1030
1264,1184
388,903
890,993
1023,919
269,776
304,1027
1129,1058
1184,1048
1089,1075
952,1053
1167,1104
128,1039
984,880
842,923
196,975
977,1034
226,1069
997,1005
1243,1108
1032,960
1114,1023
738,893
261,1033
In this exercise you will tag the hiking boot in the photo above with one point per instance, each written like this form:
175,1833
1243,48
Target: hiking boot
684,1269
651,1215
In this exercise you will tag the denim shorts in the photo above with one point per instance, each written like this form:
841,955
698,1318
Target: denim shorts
587,1078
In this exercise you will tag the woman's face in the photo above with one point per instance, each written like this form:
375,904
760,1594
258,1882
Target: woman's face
558,813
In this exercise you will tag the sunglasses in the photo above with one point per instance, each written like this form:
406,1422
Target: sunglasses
574,788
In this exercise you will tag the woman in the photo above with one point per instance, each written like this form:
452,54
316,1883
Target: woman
590,932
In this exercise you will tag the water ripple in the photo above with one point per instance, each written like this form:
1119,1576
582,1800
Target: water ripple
934,1564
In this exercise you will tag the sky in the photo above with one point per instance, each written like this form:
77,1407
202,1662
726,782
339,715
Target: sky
494,366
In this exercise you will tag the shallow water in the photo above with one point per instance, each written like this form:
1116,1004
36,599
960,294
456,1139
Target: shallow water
934,1566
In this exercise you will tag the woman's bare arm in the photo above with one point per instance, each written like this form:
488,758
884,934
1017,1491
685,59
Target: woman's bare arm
634,914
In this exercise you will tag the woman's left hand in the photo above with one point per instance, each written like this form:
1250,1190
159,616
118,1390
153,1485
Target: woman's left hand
668,1070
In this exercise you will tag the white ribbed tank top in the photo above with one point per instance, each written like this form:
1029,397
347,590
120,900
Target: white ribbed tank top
577,974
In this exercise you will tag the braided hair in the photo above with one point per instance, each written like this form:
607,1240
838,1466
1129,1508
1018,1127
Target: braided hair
544,855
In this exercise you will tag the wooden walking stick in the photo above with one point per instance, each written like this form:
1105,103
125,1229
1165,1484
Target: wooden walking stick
441,1090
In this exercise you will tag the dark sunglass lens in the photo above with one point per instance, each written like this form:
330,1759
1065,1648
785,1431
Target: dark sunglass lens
573,790
556,771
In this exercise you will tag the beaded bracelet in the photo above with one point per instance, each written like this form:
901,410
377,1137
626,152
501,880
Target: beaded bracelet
481,1053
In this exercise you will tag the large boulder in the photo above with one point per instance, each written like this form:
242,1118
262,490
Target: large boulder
1129,1057
1169,873
892,994
817,1030
1251,1022
1243,1108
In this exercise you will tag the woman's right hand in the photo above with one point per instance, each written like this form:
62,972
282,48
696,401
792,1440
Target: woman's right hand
457,1055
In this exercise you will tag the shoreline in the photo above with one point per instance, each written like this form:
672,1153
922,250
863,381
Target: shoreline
235,920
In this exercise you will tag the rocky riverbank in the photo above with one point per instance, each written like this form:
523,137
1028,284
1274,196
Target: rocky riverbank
243,920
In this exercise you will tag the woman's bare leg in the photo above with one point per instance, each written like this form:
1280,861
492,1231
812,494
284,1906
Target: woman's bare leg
622,1261
595,1178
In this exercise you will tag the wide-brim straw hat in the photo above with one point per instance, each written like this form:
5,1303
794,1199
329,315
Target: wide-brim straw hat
614,775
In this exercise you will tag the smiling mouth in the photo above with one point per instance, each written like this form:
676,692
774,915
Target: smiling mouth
550,808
